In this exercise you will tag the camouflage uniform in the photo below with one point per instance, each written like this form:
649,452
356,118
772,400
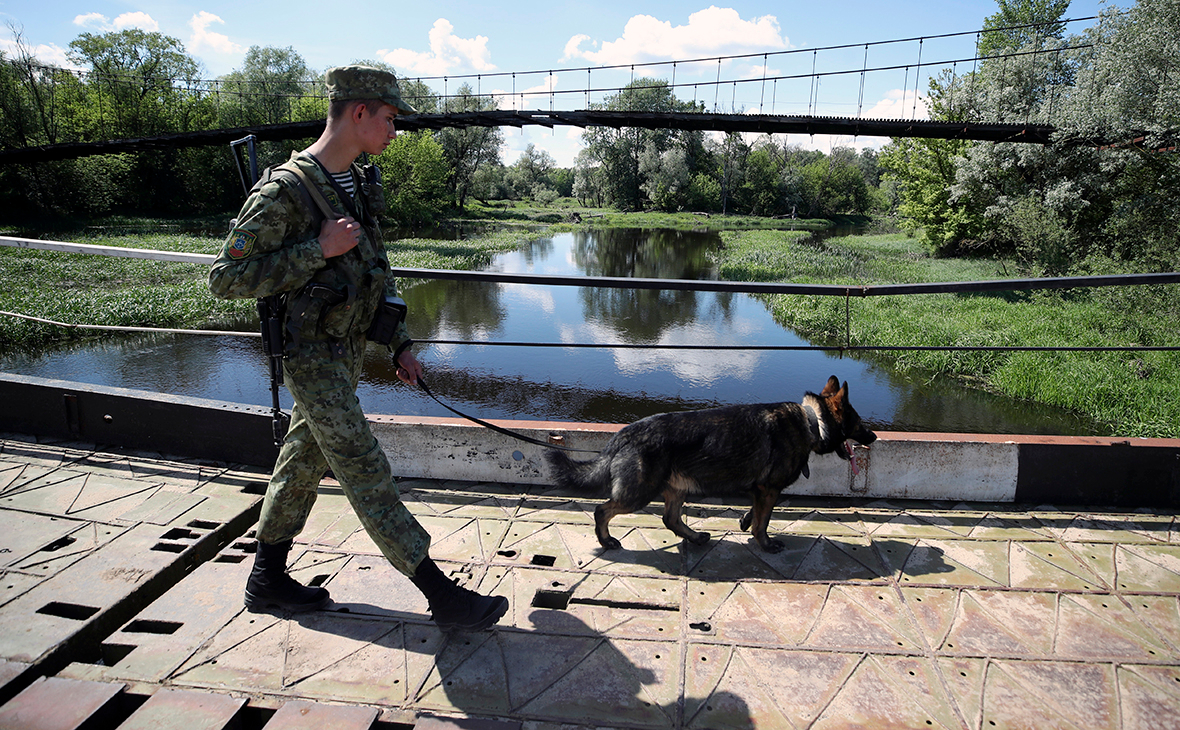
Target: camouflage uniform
329,303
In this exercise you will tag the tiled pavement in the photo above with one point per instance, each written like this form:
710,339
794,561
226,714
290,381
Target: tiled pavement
124,575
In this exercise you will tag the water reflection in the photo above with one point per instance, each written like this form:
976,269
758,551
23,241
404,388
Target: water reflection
565,383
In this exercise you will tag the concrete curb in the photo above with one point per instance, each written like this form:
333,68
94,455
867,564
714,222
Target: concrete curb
927,466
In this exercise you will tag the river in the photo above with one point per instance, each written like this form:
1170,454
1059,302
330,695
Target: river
613,385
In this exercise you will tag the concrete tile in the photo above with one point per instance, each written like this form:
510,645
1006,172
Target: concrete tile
816,522
910,525
1047,565
755,613
645,551
365,585
723,689
1008,527
1102,627
934,609
998,623
972,562
13,585
53,703
301,715
1109,528
964,680
876,695
1142,568
1162,614
633,683
174,709
248,652
536,543
863,618
1149,696
23,534
11,474
24,452
557,509
56,609
1099,559
737,557
840,559
1051,694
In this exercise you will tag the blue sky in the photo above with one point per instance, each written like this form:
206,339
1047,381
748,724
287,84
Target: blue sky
561,39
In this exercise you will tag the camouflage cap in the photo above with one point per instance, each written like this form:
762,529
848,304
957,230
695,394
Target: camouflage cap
365,82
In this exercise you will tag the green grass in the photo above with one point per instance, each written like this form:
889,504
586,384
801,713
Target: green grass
100,290
1134,394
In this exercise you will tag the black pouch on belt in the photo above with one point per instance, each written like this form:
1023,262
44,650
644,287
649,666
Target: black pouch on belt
390,314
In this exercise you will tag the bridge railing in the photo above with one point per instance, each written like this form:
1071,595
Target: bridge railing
847,292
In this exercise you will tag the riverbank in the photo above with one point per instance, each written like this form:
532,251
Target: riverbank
1135,393
99,290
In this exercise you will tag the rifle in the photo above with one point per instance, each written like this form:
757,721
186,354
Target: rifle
270,309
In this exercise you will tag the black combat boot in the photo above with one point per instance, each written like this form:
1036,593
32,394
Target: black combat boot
455,607
270,586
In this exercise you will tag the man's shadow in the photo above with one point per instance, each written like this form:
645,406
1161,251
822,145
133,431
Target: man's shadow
565,671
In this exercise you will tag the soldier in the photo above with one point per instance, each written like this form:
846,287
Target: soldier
331,273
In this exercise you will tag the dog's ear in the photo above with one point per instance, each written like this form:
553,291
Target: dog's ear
832,386
845,389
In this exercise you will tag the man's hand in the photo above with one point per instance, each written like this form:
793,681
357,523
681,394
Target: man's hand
408,368
339,236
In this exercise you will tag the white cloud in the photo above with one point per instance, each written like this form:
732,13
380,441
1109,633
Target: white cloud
203,39
448,52
899,104
136,20
532,97
98,21
45,53
710,32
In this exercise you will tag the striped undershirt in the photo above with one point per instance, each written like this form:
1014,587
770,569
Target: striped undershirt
344,179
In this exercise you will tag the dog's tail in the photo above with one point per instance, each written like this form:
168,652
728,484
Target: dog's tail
580,476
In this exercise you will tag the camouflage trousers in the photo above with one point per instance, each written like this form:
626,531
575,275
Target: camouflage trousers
328,429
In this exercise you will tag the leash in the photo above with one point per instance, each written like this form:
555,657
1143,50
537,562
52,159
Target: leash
498,429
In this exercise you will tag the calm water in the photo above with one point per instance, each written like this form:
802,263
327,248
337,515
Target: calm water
567,384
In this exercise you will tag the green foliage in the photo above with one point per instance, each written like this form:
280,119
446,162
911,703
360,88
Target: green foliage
1132,393
468,149
1054,208
1020,23
414,176
923,171
267,89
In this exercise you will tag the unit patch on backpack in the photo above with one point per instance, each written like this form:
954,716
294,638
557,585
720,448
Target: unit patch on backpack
240,244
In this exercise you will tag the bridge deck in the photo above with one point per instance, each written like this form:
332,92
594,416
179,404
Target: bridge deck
122,578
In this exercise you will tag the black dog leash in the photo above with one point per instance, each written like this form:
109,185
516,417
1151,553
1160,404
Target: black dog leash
498,429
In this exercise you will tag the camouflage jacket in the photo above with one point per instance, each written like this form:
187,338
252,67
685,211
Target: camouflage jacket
274,249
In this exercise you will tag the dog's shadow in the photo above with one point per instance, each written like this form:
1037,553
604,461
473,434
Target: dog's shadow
804,557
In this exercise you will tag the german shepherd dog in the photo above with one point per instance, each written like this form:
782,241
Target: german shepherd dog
760,449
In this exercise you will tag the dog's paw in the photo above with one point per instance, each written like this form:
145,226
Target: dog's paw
773,546
610,543
745,521
702,538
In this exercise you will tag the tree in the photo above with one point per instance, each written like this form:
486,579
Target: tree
137,76
530,172
1020,23
414,176
467,149
665,177
618,151
268,86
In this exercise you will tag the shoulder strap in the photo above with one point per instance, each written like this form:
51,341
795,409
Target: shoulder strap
313,191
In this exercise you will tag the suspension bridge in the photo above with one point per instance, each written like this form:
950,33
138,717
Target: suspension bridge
500,99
